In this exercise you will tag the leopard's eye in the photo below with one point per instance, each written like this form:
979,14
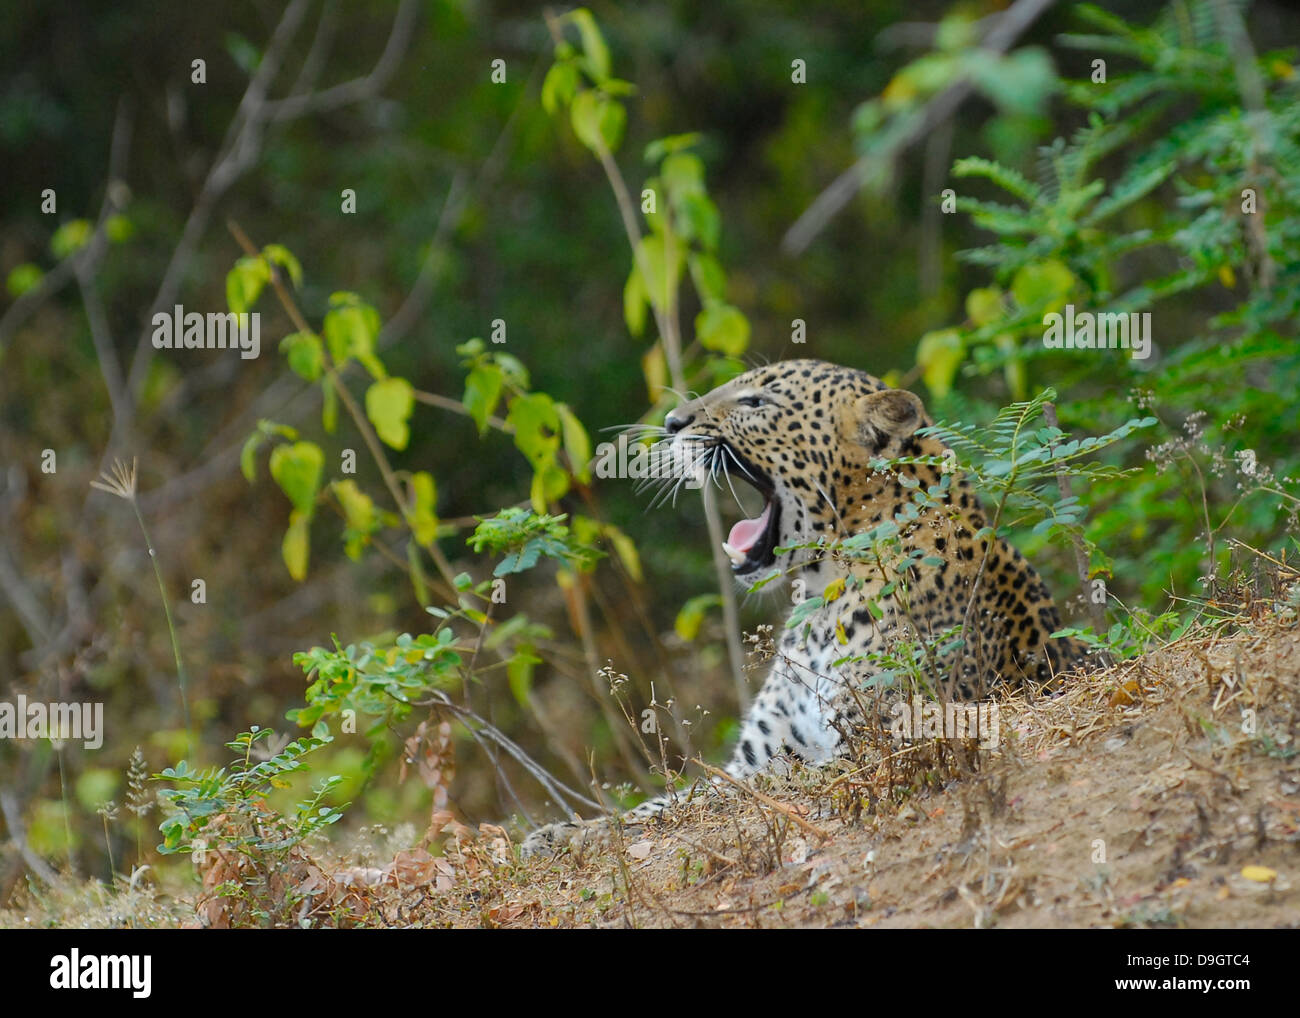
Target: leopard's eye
750,401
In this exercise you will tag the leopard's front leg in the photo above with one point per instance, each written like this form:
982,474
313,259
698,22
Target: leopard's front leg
792,714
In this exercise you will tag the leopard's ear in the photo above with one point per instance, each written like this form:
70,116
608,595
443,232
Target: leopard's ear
888,414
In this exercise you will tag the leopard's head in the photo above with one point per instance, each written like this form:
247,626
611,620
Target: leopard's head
802,434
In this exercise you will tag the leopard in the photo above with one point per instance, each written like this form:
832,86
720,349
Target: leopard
835,453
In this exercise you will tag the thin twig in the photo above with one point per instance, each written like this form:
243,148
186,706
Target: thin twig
767,801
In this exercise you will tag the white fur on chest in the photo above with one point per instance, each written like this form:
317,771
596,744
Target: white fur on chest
805,669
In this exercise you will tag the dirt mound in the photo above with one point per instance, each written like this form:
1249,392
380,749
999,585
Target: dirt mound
1162,792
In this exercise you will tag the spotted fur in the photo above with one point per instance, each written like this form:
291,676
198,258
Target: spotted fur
804,434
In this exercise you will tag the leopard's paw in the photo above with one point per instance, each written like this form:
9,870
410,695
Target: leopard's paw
552,839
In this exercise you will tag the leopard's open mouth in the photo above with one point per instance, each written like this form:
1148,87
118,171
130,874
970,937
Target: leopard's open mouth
751,544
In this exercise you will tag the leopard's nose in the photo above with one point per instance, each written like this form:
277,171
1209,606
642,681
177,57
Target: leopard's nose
676,420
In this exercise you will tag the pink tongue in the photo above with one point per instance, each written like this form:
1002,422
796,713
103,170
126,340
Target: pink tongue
745,534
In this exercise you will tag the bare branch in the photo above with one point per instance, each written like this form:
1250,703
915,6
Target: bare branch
358,89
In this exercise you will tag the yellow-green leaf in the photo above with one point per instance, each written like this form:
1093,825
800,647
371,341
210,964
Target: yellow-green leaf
984,305
560,85
22,278
549,484
576,443
708,276
358,507
722,328
389,403
70,237
655,367
297,470
625,549
278,254
691,617
939,355
248,456
483,386
296,547
593,43
350,330
424,497
635,300
519,673
537,425
597,120
305,354
660,258
1047,284
244,283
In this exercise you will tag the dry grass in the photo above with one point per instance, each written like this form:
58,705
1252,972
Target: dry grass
1134,799
1162,792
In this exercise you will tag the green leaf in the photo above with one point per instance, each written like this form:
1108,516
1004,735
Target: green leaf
660,259
297,470
722,328
682,174
700,220
278,254
483,386
939,355
329,409
423,519
512,368
984,305
245,282
245,55
577,445
593,43
635,301
350,329
1044,284
691,617
560,85
22,278
358,507
359,513
549,484
1008,179
519,673
248,456
625,549
536,427
71,236
708,276
389,403
118,229
597,120
296,547
305,354
661,147
1018,83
